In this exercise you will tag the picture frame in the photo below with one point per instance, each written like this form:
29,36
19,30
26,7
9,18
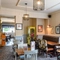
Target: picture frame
40,28
19,26
57,29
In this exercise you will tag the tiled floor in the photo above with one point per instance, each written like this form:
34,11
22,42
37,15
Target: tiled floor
6,54
48,58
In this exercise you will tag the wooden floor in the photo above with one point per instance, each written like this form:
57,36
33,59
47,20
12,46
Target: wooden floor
6,54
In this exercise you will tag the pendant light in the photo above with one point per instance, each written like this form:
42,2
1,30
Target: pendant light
38,4
26,16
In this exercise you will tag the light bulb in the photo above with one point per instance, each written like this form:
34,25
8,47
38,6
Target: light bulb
26,16
39,2
48,26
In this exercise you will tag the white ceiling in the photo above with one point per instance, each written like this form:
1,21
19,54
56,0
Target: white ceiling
50,5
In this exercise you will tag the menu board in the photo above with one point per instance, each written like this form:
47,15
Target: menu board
32,45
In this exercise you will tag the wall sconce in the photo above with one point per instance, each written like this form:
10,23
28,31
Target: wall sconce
49,26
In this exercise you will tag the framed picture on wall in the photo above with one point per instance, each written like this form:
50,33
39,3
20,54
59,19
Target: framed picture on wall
19,26
40,28
57,29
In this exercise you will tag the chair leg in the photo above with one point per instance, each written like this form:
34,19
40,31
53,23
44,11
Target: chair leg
46,53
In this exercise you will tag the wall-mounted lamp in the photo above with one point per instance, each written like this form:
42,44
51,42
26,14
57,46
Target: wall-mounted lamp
48,26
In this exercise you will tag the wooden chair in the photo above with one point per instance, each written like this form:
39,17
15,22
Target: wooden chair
46,49
42,46
20,51
49,51
14,47
57,47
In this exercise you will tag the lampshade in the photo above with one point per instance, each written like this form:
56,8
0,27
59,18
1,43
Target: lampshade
38,4
26,16
48,26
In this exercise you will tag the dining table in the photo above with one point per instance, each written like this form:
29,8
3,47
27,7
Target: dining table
28,54
52,43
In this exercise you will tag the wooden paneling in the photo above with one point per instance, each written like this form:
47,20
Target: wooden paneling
27,23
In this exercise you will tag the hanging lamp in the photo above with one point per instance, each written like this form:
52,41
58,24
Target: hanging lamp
38,5
26,16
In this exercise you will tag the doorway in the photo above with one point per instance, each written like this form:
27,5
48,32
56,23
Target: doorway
8,28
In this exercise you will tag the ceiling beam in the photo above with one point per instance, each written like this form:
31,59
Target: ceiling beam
17,2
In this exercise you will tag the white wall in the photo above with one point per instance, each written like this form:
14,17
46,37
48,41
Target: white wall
40,22
12,20
19,15
55,20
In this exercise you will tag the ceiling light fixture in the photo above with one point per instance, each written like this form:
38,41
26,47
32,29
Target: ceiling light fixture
26,16
38,4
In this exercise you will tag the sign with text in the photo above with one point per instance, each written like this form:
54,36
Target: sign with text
32,45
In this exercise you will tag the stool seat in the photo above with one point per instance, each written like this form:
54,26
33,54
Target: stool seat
58,50
50,49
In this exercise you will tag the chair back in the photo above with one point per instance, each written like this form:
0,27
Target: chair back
23,46
57,47
57,51
31,55
43,44
31,52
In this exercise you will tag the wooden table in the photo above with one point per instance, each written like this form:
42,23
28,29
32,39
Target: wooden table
52,43
51,47
21,51
26,53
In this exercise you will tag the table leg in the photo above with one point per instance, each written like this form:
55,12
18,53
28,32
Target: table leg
15,56
36,56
